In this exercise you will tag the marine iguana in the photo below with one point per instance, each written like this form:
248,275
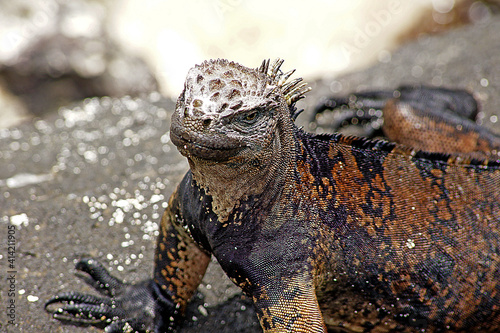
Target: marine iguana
322,232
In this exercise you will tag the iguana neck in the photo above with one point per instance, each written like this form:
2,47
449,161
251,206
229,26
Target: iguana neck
230,183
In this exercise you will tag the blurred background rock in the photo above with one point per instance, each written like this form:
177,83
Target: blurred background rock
55,52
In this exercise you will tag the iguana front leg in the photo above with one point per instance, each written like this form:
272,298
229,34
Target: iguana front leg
179,262
145,306
288,305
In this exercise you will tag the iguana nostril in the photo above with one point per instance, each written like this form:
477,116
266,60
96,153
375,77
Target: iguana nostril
207,122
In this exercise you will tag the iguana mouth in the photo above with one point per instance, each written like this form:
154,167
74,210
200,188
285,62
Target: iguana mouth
213,147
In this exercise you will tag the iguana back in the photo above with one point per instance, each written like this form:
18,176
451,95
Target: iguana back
409,238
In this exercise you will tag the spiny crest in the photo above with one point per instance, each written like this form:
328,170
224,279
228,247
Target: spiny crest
219,85
293,90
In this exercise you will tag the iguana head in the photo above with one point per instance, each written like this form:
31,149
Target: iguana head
235,126
228,111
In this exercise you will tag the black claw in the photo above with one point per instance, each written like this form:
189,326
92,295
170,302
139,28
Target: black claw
100,278
83,308
123,307
74,297
87,313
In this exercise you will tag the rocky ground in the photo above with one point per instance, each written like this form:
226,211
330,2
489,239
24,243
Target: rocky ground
92,180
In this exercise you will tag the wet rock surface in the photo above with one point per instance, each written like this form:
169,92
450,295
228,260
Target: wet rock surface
93,179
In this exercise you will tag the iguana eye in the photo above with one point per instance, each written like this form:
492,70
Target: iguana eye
251,116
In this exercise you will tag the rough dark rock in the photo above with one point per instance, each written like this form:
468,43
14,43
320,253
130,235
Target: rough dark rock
54,72
59,52
92,180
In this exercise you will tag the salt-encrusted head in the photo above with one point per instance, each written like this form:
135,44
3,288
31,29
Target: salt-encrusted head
226,107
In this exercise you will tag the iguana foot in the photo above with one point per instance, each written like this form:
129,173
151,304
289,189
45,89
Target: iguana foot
121,308
365,108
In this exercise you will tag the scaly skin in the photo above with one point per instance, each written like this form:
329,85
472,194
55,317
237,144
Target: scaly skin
321,231
431,119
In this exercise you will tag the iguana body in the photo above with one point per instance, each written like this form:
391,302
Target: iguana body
321,231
